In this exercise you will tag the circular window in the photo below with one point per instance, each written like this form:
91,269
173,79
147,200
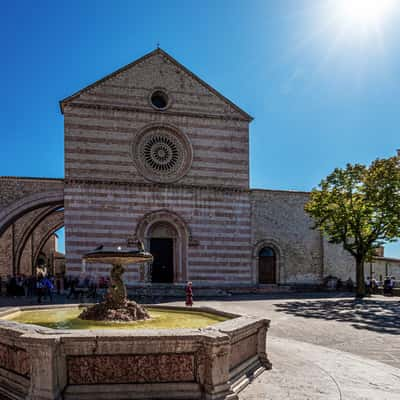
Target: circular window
159,100
162,154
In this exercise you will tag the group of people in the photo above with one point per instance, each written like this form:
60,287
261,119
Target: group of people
22,285
44,286
27,286
85,285
388,284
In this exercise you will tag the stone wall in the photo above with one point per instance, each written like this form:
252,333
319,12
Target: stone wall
279,220
14,188
338,262
218,226
6,253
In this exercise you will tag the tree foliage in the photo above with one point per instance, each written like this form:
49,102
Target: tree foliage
359,207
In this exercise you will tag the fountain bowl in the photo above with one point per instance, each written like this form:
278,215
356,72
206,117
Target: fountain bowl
211,363
118,256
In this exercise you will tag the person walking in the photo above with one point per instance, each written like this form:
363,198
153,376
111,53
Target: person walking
48,288
39,288
189,294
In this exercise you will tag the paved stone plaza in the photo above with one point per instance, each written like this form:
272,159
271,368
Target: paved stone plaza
321,346
326,347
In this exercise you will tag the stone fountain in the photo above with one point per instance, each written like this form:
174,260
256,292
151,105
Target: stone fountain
116,307
214,362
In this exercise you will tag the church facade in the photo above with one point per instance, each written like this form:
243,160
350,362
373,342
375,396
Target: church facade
154,153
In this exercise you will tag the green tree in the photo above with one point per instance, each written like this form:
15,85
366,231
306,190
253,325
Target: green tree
359,207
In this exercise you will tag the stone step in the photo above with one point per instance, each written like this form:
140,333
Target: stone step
178,291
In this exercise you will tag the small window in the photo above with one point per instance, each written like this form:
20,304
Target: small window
159,100
267,252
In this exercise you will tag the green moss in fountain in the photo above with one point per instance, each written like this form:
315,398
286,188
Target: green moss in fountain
68,318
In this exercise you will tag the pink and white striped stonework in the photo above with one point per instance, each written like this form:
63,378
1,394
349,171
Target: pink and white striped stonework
190,185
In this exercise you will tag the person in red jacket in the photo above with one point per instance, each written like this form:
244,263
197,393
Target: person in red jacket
189,294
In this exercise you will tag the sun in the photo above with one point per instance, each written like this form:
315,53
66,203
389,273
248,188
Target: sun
366,14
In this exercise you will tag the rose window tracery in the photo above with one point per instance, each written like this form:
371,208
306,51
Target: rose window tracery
162,154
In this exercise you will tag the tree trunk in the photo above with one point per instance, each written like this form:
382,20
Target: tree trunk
360,292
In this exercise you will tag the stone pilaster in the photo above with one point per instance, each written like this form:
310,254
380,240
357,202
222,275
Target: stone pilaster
214,367
262,345
48,369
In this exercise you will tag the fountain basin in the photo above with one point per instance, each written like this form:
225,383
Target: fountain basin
161,318
213,362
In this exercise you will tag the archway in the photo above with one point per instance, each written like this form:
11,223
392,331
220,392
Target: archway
164,224
268,270
15,210
42,242
267,266
47,221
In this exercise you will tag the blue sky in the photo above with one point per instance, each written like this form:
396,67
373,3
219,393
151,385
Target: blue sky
323,90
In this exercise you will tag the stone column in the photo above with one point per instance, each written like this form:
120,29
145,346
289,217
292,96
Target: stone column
48,370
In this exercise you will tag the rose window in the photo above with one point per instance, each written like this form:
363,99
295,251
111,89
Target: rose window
162,154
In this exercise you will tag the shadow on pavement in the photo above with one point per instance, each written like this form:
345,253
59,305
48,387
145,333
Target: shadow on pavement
374,315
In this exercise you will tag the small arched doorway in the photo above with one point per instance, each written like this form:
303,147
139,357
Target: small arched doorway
162,243
267,266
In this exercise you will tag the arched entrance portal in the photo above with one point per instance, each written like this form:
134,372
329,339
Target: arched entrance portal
267,266
166,234
162,243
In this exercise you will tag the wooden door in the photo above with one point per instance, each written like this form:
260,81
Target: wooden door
267,266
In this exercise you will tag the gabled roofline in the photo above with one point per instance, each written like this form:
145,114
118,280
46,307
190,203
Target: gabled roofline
65,101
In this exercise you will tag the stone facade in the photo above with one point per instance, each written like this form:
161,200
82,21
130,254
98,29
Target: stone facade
279,222
154,153
111,194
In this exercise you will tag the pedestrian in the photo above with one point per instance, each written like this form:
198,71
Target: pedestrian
387,286
72,288
368,286
31,285
350,285
48,287
189,294
392,285
39,288
374,285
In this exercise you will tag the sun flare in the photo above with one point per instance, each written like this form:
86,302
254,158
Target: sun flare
364,13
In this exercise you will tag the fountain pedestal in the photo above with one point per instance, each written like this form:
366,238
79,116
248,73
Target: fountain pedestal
116,306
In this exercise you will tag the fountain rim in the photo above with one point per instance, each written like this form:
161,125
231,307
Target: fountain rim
234,321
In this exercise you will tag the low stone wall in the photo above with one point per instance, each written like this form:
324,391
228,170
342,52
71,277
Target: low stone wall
211,363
